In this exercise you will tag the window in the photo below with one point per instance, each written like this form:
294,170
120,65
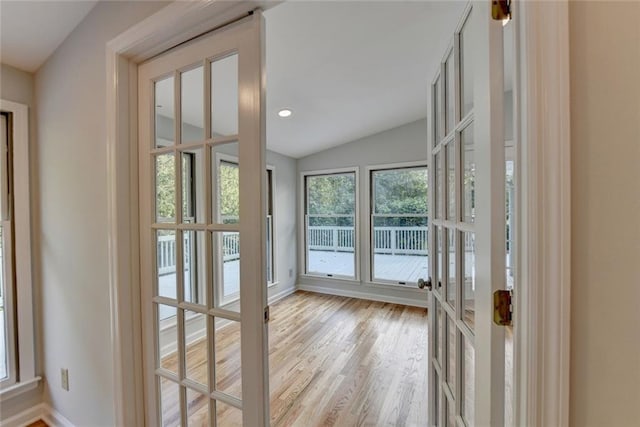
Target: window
228,211
7,323
271,276
510,215
227,244
399,232
17,357
193,241
330,224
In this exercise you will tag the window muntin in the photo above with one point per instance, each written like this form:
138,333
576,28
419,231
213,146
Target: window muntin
330,224
399,229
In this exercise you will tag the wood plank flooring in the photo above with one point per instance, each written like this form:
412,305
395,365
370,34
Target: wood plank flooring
334,361
338,361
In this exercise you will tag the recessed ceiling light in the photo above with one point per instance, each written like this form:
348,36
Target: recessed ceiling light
285,112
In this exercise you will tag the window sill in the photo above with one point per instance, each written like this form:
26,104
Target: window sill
331,278
381,284
19,388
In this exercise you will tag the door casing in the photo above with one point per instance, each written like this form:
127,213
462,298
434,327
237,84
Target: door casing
543,124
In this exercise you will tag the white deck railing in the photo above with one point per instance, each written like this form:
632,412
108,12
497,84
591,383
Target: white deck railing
387,240
166,251
331,238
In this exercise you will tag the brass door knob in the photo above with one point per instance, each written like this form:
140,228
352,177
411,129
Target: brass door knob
422,284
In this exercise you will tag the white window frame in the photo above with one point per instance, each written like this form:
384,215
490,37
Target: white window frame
219,267
368,245
6,195
222,157
302,250
24,378
274,241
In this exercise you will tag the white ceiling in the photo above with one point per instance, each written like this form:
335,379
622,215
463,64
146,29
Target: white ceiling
31,30
350,69
346,69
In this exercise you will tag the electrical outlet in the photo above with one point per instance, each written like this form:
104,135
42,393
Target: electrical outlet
64,378
291,272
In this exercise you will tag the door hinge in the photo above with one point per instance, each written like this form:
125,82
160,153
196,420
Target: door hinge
502,308
267,314
501,10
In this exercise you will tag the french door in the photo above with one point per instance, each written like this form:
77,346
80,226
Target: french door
203,231
466,349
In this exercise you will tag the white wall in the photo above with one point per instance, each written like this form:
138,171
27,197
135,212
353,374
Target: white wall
402,144
72,231
605,139
18,86
285,222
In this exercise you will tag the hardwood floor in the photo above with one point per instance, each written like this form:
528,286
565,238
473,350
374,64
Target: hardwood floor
334,361
338,361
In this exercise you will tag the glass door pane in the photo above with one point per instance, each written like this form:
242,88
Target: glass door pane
466,223
201,205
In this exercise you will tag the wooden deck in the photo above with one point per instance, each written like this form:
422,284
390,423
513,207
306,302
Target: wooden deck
334,361
406,268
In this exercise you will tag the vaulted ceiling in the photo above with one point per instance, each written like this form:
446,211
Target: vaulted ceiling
351,69
346,69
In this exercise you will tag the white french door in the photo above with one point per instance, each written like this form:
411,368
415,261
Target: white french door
466,349
202,230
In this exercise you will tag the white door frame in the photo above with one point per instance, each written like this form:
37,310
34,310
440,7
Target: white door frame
542,323
543,300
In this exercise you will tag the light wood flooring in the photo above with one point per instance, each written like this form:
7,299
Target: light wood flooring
334,361
338,361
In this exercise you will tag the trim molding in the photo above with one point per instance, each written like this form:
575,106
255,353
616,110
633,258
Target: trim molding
543,301
282,295
42,411
26,417
19,388
23,330
55,418
362,295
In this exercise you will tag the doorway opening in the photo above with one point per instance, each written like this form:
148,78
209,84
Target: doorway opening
349,226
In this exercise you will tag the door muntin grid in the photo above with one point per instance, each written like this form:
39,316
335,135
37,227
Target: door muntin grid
454,338
188,316
182,127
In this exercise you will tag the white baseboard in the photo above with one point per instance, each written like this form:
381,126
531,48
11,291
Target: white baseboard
43,412
25,417
56,419
282,294
362,295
